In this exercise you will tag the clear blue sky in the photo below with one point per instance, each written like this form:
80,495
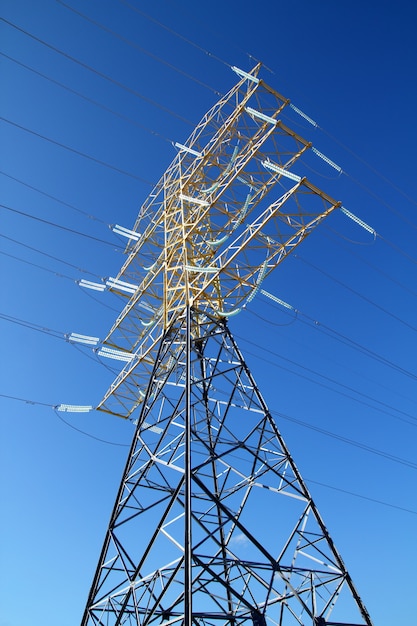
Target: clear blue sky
341,372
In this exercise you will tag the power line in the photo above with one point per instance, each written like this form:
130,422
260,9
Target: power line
398,249
411,418
48,195
335,382
89,435
40,267
26,401
356,293
50,256
54,333
137,47
98,73
173,32
77,152
90,100
32,402
351,442
79,269
61,335
52,406
71,206
357,495
79,233
187,121
32,326
371,265
330,332
200,24
317,324
371,168
55,225
349,341
58,274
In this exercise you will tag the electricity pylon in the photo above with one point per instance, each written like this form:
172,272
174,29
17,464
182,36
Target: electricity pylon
213,523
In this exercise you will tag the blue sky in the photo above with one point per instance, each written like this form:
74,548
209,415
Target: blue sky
88,117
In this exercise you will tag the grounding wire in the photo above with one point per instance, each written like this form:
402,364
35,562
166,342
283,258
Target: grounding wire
137,47
90,100
74,151
98,73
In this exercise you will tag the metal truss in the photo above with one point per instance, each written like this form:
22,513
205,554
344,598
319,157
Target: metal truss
210,233
213,523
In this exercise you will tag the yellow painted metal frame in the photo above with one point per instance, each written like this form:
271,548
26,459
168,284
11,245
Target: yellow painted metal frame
207,236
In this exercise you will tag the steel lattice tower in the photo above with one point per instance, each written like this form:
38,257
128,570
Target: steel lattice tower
213,524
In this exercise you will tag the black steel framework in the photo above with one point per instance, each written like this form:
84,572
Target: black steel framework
213,523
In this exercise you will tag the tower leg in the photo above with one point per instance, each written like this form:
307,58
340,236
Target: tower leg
213,523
